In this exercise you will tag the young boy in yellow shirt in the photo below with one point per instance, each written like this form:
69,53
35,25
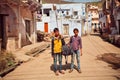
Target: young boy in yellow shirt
57,43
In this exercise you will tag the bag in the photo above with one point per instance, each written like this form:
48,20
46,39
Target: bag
66,50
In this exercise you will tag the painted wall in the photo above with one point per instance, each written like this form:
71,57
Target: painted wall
59,23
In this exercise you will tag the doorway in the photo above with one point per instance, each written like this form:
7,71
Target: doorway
27,24
45,27
3,34
28,31
119,25
66,29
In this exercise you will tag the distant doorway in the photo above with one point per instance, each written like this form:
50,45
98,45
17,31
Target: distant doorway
45,27
66,29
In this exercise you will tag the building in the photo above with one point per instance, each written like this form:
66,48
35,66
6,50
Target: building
116,13
109,16
93,17
64,16
17,23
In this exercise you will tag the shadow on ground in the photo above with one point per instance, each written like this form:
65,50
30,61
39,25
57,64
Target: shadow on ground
117,77
64,67
106,39
95,34
111,58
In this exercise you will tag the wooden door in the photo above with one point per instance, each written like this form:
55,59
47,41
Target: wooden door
46,27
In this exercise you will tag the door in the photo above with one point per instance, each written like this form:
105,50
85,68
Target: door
3,34
119,26
28,32
27,24
46,27
66,29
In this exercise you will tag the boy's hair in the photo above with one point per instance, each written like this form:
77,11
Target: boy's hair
56,29
75,30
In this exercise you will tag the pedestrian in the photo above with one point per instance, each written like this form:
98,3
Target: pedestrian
76,44
100,31
57,43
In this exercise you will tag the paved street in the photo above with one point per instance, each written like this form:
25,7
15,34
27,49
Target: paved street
40,68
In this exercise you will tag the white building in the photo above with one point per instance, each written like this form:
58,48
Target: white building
66,17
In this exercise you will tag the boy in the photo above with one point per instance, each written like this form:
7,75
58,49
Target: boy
57,43
76,44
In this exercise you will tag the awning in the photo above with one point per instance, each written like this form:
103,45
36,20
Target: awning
82,1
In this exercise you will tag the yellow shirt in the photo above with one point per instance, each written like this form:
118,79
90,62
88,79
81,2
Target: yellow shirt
57,46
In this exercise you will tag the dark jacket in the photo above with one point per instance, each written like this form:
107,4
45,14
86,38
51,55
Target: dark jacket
52,44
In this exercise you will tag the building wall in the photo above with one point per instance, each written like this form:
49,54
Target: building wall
95,15
109,10
102,18
15,25
11,19
10,25
25,14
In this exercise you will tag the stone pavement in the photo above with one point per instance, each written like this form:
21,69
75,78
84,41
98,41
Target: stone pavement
41,67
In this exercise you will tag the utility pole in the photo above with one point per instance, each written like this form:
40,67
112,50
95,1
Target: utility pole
60,16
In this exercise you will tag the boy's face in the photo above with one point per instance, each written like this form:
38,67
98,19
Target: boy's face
76,33
56,33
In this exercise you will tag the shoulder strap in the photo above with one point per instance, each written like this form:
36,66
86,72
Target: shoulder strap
71,39
52,46
63,41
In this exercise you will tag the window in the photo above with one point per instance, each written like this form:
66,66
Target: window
99,16
27,24
47,11
83,13
39,11
88,15
67,12
75,13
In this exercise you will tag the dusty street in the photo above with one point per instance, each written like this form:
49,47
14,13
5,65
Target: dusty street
40,68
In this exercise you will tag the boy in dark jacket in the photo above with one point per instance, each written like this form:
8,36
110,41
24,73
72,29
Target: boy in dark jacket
57,43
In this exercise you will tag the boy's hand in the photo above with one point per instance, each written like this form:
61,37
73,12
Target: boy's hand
68,45
81,52
52,56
